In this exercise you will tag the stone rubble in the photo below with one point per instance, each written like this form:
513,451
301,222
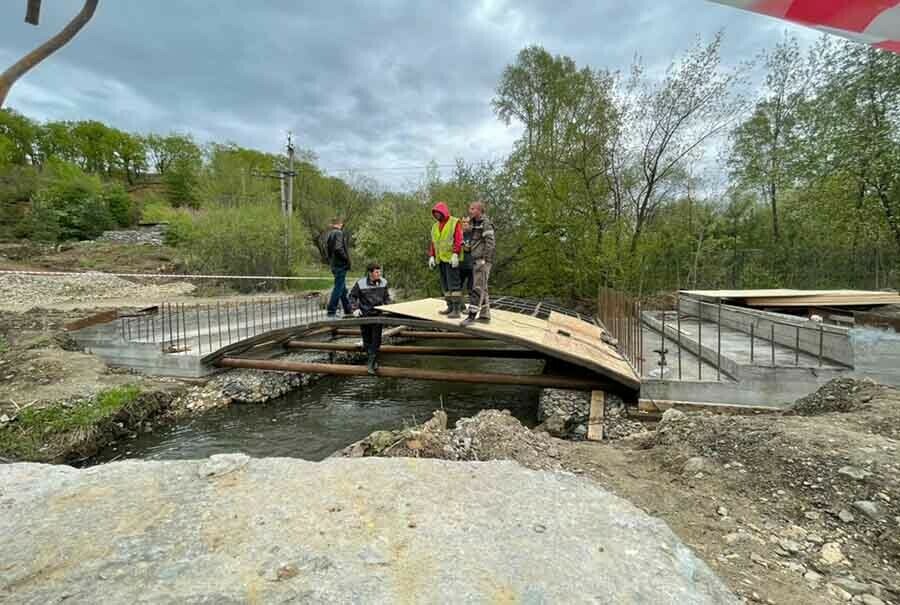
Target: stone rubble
250,386
150,235
564,414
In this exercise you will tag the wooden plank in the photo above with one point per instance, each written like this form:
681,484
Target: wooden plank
596,415
782,297
661,405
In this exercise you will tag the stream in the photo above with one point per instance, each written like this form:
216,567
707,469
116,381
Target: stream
315,421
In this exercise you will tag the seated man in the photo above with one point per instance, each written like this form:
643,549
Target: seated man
369,292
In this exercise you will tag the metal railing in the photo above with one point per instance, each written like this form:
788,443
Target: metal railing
620,315
204,328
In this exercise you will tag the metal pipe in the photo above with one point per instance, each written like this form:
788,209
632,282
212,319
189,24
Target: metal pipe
640,314
209,326
821,343
719,342
797,347
662,341
541,380
418,350
219,323
772,341
228,321
678,328
699,340
417,334
169,314
199,337
752,339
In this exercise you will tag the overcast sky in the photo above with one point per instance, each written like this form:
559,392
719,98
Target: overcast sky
373,86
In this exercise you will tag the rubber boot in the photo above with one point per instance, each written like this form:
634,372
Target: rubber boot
449,309
454,309
371,364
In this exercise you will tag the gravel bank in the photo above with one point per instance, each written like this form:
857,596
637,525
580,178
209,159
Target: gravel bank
24,292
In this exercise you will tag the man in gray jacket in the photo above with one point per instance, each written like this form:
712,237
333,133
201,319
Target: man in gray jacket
482,248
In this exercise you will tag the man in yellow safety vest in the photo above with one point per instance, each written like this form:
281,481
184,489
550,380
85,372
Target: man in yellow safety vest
445,253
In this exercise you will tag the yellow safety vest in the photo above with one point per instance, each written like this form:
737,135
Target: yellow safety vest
443,240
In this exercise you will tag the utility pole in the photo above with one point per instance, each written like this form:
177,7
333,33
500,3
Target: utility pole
287,191
286,181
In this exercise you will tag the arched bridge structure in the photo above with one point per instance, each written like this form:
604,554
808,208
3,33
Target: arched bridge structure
197,340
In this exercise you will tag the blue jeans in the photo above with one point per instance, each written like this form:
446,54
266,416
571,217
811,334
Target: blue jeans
339,292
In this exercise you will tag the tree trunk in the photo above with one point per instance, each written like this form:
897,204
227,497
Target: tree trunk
23,65
773,202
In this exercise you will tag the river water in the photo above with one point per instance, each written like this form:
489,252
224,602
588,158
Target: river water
315,421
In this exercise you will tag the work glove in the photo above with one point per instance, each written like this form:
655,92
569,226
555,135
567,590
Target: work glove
431,262
454,261
357,313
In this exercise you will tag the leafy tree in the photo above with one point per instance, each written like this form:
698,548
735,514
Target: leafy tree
560,165
667,123
765,146
167,150
18,138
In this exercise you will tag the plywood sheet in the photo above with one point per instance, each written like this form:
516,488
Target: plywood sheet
799,298
579,343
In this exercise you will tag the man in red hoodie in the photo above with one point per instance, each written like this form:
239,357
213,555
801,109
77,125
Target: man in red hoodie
445,252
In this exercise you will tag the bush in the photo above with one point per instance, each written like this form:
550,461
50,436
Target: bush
123,212
72,205
248,240
396,233
17,185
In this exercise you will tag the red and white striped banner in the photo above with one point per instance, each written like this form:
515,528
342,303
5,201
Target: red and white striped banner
875,22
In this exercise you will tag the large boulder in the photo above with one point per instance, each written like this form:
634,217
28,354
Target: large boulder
235,530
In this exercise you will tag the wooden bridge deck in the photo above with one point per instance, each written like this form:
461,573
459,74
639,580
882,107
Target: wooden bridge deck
561,336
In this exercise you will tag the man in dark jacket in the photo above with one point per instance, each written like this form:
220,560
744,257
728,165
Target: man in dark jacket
483,243
339,261
368,293
465,263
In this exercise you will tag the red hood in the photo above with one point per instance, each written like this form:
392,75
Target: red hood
443,209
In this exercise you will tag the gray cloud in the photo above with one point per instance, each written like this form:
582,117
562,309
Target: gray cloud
397,82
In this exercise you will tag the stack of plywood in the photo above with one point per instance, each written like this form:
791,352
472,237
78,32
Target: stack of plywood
799,298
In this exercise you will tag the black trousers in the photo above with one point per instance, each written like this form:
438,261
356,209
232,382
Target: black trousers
371,337
465,277
450,281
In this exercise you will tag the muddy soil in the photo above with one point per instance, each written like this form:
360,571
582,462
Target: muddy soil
40,364
793,508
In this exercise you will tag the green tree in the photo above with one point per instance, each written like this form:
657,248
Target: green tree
18,138
559,166
668,124
765,146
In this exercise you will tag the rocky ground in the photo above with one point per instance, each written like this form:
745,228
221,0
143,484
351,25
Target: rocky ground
793,508
234,530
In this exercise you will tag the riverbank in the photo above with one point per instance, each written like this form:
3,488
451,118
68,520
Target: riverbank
60,404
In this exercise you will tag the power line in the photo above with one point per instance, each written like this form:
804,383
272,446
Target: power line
389,168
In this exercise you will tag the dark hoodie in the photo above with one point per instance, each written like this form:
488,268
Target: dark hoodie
444,211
